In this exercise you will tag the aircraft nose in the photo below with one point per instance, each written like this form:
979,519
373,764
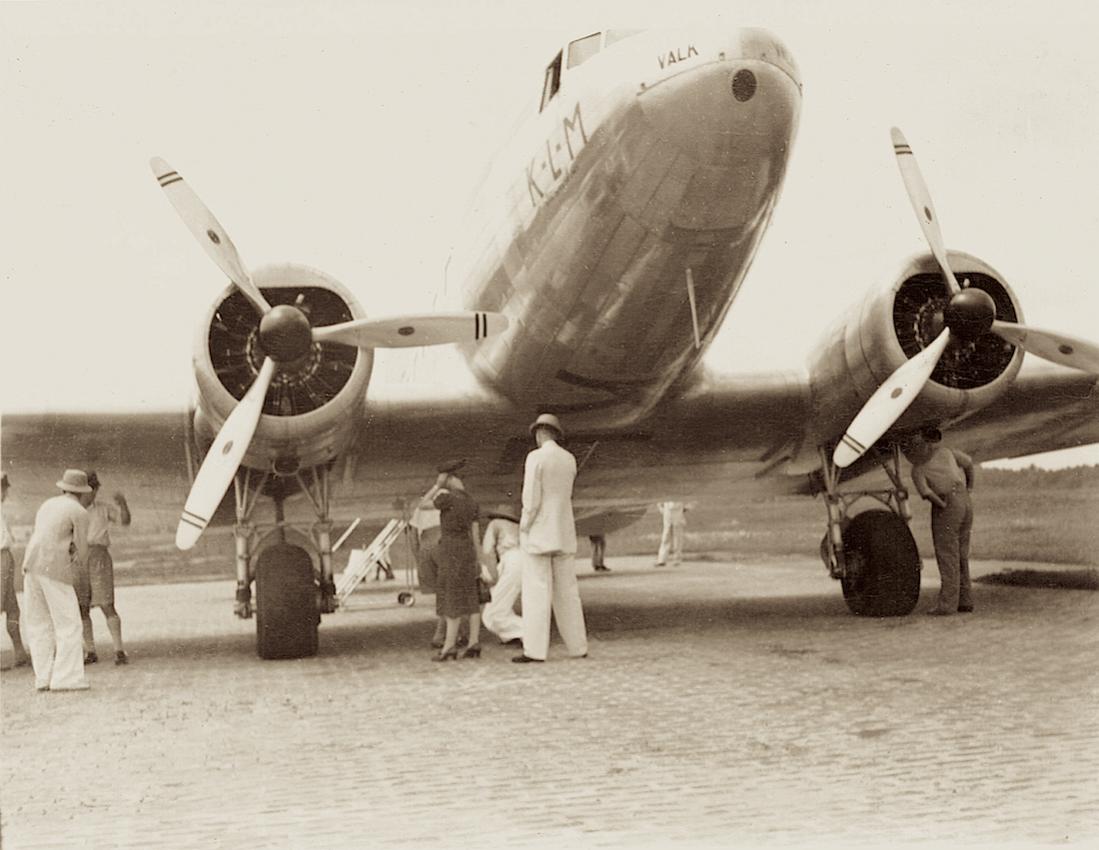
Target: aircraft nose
739,106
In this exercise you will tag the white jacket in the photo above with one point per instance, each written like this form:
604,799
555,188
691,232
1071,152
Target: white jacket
547,526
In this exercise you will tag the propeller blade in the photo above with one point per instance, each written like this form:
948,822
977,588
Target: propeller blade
888,403
414,330
921,202
1055,347
221,462
206,229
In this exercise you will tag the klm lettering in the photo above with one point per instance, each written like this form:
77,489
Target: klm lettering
559,152
677,55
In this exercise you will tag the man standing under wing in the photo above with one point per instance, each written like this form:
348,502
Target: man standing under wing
51,615
944,477
547,539
100,570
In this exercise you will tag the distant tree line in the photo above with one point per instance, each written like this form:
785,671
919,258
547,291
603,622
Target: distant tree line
1082,477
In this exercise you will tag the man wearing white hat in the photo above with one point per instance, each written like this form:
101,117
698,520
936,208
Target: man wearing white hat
547,538
52,616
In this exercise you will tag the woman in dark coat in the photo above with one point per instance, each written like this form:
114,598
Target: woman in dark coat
457,566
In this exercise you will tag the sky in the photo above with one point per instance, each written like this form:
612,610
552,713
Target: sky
350,136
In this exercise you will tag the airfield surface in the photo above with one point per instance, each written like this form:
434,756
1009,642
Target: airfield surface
722,704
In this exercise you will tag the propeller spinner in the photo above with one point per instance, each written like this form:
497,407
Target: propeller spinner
969,314
286,336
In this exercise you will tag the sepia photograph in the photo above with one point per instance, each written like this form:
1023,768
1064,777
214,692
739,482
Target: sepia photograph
585,425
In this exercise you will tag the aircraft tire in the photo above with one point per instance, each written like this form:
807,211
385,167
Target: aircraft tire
883,565
286,603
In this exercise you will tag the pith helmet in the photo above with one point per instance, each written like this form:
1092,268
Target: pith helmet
74,481
548,420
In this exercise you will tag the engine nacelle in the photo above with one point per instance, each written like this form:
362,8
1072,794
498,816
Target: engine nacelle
313,404
893,325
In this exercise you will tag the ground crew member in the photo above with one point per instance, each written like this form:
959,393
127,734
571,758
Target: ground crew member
501,547
598,552
97,588
547,539
9,602
944,477
674,515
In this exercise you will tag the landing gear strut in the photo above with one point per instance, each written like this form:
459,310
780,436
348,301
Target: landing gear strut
872,553
290,596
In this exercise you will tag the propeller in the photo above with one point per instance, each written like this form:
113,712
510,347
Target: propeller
969,313
286,336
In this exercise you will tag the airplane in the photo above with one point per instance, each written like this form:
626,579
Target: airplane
607,243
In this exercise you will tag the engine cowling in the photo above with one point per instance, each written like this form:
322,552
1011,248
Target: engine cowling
315,402
895,323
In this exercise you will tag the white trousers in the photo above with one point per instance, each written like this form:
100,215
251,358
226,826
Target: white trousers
499,615
549,581
671,538
51,622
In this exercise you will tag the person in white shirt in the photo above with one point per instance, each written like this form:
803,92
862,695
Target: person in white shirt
500,547
547,539
9,602
95,581
52,616
674,515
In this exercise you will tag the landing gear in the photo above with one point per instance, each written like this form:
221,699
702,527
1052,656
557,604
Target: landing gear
286,609
873,553
290,594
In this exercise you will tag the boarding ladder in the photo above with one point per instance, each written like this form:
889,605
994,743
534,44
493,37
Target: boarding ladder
362,560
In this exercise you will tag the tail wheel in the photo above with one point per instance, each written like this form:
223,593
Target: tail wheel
286,603
882,565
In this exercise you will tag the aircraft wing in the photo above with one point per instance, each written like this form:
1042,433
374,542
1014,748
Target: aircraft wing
1045,409
748,432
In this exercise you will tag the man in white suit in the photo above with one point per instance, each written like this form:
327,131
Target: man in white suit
547,539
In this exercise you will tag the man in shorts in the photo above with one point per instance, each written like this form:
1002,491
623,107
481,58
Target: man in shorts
9,602
95,585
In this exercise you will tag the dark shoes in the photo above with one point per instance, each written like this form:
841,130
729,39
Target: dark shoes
965,609
444,656
471,651
436,644
601,568
526,659
121,658
90,658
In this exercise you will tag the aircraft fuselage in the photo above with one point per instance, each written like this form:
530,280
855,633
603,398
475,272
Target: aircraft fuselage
652,171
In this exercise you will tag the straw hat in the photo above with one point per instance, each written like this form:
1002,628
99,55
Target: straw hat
74,481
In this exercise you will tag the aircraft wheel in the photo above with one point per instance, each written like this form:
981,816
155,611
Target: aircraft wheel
286,603
883,565
405,598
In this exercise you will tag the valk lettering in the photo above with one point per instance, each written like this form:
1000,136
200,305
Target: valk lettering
677,55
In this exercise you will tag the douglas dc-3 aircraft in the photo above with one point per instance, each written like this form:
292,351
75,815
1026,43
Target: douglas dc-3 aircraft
611,237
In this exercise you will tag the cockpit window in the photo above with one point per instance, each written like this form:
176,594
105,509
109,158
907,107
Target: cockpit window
552,82
583,49
618,35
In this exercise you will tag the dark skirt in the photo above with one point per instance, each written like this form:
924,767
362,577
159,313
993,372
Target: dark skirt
456,569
